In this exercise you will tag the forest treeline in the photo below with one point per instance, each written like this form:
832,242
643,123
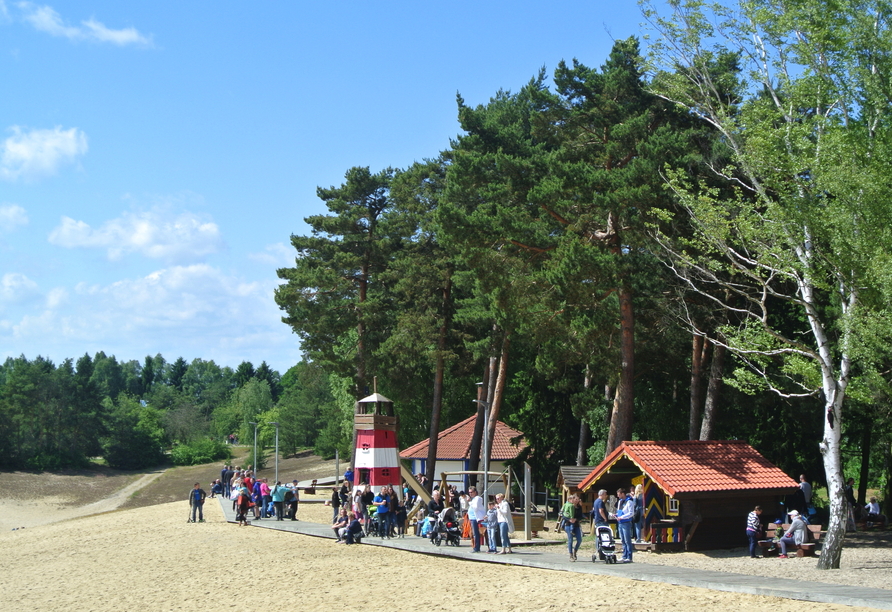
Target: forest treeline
134,414
691,245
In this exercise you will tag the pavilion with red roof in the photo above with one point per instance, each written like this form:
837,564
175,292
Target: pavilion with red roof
454,450
697,493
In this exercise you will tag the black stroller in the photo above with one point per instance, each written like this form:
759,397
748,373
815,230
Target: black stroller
605,544
447,529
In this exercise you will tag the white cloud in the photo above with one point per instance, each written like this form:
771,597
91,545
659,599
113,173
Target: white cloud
17,288
155,233
190,311
278,255
37,153
11,217
46,19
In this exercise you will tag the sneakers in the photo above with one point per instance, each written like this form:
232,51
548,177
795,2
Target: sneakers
572,557
782,556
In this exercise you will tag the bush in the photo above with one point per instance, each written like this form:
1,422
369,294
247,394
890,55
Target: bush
199,452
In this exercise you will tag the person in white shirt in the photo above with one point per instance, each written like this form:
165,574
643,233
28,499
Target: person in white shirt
873,513
477,515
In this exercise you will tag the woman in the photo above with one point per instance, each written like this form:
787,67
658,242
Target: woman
796,534
572,513
277,494
340,523
639,512
242,502
368,496
506,523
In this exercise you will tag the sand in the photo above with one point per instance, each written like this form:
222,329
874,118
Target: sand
151,559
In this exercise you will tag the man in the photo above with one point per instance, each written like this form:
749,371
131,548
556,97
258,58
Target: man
625,512
196,502
805,486
224,480
335,503
382,503
599,510
293,500
477,515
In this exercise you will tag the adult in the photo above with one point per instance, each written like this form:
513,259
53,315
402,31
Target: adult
851,504
266,497
477,515
434,507
257,498
873,513
506,522
572,514
382,505
277,494
196,502
805,487
625,512
224,480
348,477
292,497
796,534
638,519
340,523
335,503
368,496
599,510
353,533
243,502
754,530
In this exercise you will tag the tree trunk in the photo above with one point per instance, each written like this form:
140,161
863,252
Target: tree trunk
439,374
713,392
583,424
865,462
623,407
499,392
696,381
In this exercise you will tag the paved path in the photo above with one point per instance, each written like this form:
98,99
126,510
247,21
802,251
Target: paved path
530,557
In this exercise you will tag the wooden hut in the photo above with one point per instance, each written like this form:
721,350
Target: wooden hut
454,450
697,494
568,481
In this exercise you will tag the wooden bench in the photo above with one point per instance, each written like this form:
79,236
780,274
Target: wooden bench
802,550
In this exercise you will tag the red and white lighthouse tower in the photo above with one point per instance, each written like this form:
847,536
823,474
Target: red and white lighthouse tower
376,457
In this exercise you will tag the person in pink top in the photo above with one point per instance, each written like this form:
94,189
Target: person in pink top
267,496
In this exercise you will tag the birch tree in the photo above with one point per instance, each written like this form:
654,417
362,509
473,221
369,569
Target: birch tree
805,118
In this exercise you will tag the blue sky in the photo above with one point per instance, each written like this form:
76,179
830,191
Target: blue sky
156,157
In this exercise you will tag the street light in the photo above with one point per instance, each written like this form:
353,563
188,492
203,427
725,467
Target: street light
485,446
255,445
277,448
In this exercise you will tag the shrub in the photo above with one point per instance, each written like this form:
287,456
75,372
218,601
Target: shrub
200,451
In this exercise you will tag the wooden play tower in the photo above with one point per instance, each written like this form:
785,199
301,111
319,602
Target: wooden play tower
376,456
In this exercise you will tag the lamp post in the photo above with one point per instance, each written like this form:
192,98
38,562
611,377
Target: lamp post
485,446
277,448
255,445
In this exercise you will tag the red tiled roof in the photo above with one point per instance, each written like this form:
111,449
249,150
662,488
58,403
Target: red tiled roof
692,466
455,443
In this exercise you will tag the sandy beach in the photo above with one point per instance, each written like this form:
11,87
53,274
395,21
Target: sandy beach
151,559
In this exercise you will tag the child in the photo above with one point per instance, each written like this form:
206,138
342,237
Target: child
401,517
778,534
492,528
216,488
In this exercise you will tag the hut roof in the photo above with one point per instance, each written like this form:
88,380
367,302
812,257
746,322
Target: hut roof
693,466
455,443
572,475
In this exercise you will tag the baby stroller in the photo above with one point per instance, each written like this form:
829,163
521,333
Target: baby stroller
606,546
447,528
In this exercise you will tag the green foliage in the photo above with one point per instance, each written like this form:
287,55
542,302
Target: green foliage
135,437
200,452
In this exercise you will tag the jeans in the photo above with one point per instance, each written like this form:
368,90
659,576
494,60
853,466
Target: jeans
754,541
475,535
503,529
492,536
625,535
574,530
784,542
198,507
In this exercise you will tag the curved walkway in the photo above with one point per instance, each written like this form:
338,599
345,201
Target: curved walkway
529,557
